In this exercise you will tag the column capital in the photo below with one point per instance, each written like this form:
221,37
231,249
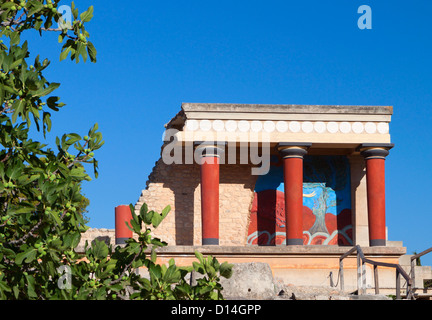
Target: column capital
375,150
210,148
293,149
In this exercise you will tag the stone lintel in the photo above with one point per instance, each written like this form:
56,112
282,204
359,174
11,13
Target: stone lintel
279,250
284,112
285,108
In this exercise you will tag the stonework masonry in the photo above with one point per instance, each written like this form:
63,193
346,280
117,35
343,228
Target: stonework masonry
178,185
102,234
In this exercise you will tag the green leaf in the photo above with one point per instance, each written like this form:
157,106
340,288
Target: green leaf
16,63
156,219
73,137
64,53
91,51
199,256
198,267
36,6
7,5
71,240
47,121
99,249
56,216
14,38
153,255
214,295
155,271
4,287
44,91
29,255
86,16
135,226
7,61
16,291
77,172
131,208
143,210
107,269
205,289
18,106
172,275
135,220
158,242
148,216
211,271
165,211
225,270
31,286
82,51
74,10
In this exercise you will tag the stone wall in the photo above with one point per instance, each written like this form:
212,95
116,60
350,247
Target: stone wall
178,185
107,235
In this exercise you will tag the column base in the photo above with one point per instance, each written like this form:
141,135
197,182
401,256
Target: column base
210,241
121,240
377,243
294,242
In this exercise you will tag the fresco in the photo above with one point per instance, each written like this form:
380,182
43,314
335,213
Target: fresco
326,204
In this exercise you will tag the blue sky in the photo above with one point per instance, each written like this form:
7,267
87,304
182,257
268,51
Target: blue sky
154,55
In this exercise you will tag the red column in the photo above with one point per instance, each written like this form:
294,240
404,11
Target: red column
375,184
293,188
122,232
209,193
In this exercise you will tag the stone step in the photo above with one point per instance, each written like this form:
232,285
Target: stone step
369,297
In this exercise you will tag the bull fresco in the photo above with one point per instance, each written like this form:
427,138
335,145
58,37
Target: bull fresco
326,204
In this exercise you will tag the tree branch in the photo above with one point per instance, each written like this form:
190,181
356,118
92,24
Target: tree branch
26,236
127,267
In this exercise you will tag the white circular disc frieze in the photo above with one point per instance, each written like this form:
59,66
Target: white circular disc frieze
320,127
332,127
231,126
370,127
256,126
218,125
269,126
345,127
243,126
192,125
357,127
205,125
294,126
383,127
307,127
281,126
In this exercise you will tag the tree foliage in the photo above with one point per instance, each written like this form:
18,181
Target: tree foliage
41,202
